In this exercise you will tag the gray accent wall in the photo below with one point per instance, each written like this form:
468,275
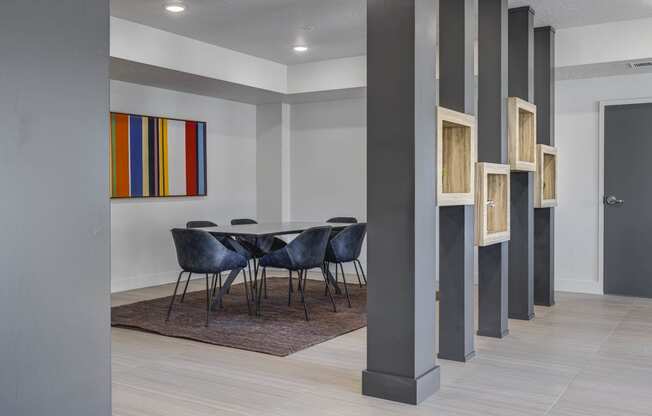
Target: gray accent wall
54,209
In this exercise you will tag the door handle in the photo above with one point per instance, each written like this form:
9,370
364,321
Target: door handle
612,200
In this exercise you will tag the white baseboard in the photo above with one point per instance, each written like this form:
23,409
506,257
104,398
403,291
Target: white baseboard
142,281
579,286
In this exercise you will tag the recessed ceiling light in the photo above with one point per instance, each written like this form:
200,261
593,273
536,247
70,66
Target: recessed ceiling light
175,7
300,48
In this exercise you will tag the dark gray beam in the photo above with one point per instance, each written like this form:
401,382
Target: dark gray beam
458,30
521,53
492,147
521,244
401,362
544,218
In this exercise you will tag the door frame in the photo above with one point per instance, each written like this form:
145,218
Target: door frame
603,106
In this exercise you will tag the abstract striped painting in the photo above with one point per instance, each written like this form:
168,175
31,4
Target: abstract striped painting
157,157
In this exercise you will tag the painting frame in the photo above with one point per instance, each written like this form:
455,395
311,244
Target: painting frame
123,163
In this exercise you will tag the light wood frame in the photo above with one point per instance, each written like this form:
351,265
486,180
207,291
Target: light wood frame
522,134
546,182
493,223
457,148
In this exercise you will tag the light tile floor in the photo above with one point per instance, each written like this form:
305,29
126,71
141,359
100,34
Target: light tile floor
586,356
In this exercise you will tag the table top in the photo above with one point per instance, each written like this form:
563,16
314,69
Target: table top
270,228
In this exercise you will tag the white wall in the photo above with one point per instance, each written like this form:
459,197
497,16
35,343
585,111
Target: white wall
577,130
328,153
142,253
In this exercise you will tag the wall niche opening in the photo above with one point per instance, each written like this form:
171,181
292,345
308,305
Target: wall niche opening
456,157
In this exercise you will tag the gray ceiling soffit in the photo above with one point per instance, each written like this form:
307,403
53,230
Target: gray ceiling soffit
330,95
606,69
154,76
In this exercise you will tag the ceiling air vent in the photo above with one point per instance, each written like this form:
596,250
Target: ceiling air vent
640,65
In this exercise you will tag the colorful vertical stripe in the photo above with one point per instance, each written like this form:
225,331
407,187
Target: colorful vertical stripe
157,157
191,158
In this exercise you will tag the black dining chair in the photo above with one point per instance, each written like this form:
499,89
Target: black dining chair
345,247
343,220
258,247
356,263
200,253
305,252
230,243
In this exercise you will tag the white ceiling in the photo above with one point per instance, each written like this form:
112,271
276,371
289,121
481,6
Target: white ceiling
331,28
264,28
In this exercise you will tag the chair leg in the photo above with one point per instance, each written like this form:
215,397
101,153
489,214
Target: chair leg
185,289
254,285
246,289
303,296
208,301
259,294
176,287
265,285
290,288
323,271
357,274
328,289
362,271
346,289
249,267
215,290
213,284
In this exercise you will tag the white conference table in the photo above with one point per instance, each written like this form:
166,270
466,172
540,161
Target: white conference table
267,230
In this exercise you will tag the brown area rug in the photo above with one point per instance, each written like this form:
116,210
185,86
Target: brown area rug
281,330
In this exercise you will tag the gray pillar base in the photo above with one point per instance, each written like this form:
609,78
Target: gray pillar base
400,389
458,358
521,317
488,334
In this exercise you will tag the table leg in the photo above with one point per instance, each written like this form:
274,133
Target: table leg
225,287
332,280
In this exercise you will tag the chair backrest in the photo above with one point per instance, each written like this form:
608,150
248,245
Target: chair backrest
308,249
347,244
343,220
200,224
243,221
199,252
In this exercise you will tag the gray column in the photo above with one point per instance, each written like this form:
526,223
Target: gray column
457,91
54,209
401,166
544,218
492,147
272,162
521,244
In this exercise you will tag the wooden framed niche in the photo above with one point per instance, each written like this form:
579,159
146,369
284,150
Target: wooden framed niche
492,205
545,180
456,157
522,134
